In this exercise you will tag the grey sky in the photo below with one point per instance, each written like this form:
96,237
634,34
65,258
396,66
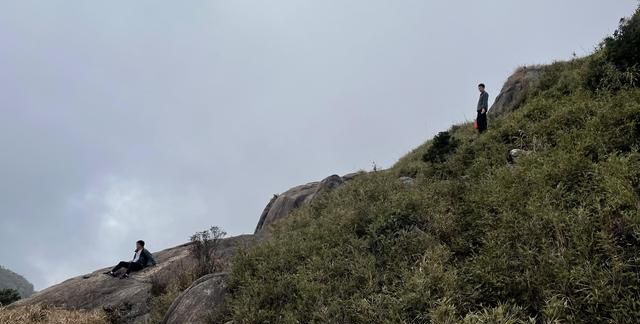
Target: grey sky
123,120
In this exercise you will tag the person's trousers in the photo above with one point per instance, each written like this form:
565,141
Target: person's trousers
130,266
482,122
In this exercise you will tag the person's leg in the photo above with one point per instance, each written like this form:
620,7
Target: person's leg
482,122
120,265
134,266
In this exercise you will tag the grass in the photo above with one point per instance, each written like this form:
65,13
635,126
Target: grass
43,314
554,238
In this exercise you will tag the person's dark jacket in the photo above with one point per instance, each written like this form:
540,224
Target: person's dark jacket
146,259
483,102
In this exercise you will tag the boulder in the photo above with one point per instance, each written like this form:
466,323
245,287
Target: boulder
281,205
198,303
409,181
515,89
515,154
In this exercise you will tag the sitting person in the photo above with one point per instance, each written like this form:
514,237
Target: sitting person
141,259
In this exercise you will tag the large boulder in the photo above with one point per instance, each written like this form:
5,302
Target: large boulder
515,90
281,206
198,303
129,297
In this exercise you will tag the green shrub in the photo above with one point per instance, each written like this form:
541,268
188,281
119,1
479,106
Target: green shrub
443,145
8,296
204,247
622,47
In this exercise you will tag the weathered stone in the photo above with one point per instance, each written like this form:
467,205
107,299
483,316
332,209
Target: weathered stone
280,206
409,181
197,304
515,154
515,89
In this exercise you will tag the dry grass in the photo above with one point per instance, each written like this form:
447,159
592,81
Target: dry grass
43,314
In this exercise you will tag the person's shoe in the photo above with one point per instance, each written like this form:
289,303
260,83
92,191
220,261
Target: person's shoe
110,273
124,276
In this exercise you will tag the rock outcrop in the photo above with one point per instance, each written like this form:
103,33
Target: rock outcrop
515,90
281,205
197,304
130,298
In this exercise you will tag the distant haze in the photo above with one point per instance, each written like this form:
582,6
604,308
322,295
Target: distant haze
126,120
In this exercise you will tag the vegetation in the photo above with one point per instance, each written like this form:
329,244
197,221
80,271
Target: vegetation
42,314
8,296
12,280
554,238
617,65
204,246
164,290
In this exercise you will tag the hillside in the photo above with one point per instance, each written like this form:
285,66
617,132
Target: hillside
12,280
535,221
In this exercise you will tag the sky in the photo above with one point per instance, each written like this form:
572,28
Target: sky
127,120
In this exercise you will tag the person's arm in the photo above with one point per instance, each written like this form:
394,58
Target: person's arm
485,102
149,258
143,259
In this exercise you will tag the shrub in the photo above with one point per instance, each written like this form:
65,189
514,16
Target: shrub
204,247
622,47
165,289
8,296
443,144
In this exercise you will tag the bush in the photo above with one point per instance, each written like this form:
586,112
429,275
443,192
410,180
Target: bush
616,65
623,47
165,289
443,144
8,296
204,246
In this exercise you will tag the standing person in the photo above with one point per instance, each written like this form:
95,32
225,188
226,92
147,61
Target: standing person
141,259
483,108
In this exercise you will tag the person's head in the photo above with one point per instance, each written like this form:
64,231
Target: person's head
139,245
481,87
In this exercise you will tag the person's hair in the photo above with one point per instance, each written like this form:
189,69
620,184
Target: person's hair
481,85
141,242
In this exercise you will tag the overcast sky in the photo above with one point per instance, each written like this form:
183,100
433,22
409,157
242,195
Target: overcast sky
126,120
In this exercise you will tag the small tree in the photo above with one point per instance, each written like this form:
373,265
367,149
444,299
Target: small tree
442,145
8,296
204,246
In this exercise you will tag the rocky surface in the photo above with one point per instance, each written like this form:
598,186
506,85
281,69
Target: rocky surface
281,205
514,90
129,296
196,304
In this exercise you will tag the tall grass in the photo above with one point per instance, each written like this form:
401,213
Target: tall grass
41,314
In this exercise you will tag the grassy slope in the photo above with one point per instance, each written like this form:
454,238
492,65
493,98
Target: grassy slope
554,238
